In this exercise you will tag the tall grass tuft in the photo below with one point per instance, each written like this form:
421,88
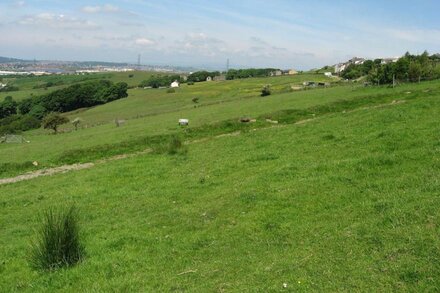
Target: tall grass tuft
57,242
176,145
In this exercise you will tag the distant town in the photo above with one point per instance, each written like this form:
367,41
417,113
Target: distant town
11,66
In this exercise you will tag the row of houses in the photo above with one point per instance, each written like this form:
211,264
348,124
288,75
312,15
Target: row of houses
283,72
342,66
358,61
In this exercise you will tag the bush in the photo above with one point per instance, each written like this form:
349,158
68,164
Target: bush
265,91
38,111
8,107
58,242
9,88
176,145
18,123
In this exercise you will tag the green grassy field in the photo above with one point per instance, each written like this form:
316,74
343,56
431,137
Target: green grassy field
346,201
152,112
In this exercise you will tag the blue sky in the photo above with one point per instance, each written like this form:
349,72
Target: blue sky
278,33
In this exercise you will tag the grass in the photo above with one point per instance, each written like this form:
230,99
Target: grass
145,132
152,112
161,112
58,242
347,202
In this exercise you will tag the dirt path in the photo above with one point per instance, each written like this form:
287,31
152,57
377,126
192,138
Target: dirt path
74,167
46,172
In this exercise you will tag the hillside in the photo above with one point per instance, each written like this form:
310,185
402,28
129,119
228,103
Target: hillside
340,195
10,60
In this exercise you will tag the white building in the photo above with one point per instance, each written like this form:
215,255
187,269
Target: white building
175,84
340,67
328,74
389,60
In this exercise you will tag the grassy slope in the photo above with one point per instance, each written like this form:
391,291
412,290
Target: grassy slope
162,111
348,202
219,101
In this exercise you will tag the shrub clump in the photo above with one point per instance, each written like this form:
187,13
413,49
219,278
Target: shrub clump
58,242
176,145
266,91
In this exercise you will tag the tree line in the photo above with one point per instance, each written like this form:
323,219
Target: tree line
409,68
157,81
250,72
28,113
202,75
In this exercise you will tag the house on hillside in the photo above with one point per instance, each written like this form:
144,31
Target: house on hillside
388,60
356,61
175,84
209,78
220,78
276,73
290,72
340,67
2,85
328,74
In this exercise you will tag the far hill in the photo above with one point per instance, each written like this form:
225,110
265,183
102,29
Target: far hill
10,60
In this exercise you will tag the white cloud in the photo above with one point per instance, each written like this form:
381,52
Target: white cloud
58,21
144,42
106,8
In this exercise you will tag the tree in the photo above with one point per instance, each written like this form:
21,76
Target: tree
373,76
414,71
53,120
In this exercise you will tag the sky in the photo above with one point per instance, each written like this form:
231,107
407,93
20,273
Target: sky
276,33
